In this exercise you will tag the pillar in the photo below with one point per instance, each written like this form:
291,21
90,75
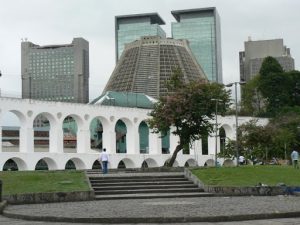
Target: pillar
26,138
133,140
154,144
109,140
0,137
56,139
83,140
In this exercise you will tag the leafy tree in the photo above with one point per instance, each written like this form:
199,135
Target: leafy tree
286,130
280,94
254,139
189,109
271,90
276,139
252,99
270,66
229,150
294,89
282,140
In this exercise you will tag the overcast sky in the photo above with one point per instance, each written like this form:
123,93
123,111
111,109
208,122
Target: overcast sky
45,22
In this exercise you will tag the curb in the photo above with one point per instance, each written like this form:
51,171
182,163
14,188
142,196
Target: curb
47,197
33,198
241,191
123,220
3,204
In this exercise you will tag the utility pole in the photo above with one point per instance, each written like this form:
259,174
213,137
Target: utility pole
216,129
236,119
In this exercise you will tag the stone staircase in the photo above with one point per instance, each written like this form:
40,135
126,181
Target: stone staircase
143,185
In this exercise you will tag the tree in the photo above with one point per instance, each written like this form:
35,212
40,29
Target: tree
229,150
252,99
255,140
189,109
276,139
270,65
286,128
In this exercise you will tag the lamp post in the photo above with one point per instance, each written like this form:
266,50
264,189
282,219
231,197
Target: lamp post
236,118
0,88
216,129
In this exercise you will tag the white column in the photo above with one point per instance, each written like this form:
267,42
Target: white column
109,140
197,148
132,140
154,144
211,145
56,139
26,138
0,130
0,137
83,140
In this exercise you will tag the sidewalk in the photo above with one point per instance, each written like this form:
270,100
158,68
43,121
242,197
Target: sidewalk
176,210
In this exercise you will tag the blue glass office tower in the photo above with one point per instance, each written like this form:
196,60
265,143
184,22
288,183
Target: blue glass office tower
201,27
132,27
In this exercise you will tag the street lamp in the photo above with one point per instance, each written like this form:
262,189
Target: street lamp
0,88
216,129
236,118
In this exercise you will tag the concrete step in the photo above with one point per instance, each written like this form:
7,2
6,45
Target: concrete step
143,185
115,180
104,184
101,188
153,195
111,177
111,171
139,191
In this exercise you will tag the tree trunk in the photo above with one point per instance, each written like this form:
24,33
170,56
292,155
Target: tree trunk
172,160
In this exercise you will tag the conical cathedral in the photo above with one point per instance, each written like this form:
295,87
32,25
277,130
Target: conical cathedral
147,64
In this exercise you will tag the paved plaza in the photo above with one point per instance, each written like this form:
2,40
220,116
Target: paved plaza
208,210
287,221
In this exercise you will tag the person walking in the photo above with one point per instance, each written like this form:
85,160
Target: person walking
295,158
241,160
104,159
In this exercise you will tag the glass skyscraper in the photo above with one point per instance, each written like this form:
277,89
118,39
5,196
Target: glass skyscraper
201,27
56,72
132,27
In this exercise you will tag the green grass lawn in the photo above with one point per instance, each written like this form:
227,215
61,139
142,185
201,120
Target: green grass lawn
18,182
249,175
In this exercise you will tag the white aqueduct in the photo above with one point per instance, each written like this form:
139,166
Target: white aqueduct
26,156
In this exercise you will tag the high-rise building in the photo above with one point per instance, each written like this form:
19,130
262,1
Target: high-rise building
146,66
132,27
201,27
56,72
255,52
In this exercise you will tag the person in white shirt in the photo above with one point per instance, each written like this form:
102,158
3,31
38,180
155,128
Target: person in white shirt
104,159
241,160
295,158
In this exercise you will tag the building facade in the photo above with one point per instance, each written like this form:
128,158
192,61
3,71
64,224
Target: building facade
255,52
201,27
146,65
56,72
129,28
